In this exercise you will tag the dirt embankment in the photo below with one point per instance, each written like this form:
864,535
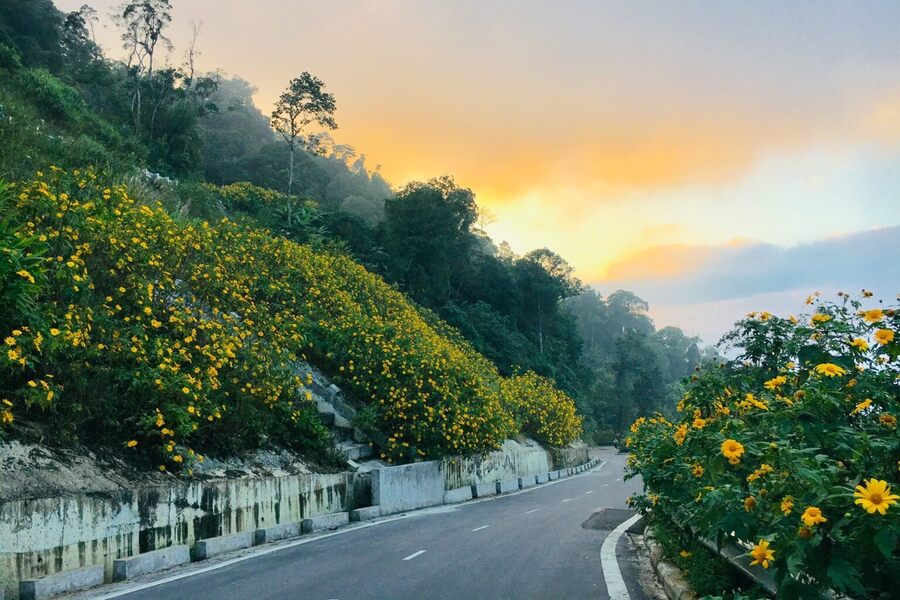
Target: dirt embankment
35,471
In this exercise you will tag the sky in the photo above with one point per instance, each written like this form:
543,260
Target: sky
714,157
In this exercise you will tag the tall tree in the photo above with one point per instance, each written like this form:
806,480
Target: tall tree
546,279
142,23
302,104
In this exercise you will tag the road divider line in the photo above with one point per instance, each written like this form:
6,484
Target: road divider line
567,500
480,528
589,492
415,554
532,510
615,584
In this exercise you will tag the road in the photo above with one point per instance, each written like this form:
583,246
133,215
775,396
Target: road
538,543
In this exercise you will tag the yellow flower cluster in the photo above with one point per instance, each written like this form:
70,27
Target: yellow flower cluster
197,329
540,409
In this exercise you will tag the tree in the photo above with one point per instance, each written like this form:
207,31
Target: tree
304,103
546,279
142,23
428,235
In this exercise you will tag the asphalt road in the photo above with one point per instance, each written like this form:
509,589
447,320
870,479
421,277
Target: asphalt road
540,543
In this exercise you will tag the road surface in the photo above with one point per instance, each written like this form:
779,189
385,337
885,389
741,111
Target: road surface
543,542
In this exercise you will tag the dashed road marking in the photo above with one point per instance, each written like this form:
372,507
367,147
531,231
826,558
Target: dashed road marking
589,492
480,528
532,510
415,554
567,500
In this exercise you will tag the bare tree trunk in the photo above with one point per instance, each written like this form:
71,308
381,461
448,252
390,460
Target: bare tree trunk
290,184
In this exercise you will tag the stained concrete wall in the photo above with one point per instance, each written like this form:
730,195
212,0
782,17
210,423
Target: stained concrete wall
460,471
408,487
47,535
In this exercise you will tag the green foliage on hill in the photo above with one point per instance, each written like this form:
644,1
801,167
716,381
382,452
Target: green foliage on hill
63,103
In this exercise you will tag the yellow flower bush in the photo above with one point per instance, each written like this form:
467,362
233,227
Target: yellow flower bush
179,335
800,449
540,409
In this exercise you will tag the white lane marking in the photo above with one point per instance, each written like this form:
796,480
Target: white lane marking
263,551
605,485
589,492
615,585
480,528
567,500
414,554
532,510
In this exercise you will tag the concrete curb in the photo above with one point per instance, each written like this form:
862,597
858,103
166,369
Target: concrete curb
150,562
460,494
60,583
366,513
524,482
670,576
215,546
508,485
276,532
482,490
326,521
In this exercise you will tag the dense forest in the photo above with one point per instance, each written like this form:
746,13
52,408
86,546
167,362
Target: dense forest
196,141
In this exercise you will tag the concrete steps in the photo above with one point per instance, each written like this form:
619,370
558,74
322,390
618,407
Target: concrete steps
337,415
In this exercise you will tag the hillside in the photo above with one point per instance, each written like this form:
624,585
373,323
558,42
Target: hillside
183,282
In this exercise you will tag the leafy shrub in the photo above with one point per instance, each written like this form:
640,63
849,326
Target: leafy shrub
792,447
175,337
540,409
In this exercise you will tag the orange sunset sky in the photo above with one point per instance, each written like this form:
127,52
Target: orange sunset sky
713,157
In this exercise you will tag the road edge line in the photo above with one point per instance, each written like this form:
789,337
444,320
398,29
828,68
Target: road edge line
612,575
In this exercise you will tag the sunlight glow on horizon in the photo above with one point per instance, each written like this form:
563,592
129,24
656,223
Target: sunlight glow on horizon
606,132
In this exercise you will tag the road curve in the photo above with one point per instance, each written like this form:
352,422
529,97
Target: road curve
538,543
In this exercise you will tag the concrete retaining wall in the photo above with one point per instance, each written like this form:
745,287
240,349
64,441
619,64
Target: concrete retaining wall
460,471
407,487
40,537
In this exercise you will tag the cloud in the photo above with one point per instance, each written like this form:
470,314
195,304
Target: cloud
705,288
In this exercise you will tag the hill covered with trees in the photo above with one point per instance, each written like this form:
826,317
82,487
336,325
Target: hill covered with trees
174,240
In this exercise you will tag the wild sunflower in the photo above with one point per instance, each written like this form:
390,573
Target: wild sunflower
812,516
762,554
875,495
732,450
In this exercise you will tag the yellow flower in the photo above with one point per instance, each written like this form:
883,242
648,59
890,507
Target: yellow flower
762,554
699,423
131,443
830,370
775,382
884,336
680,434
684,554
26,275
860,344
876,495
54,331
861,406
888,420
732,450
10,341
812,516
178,458
819,318
873,316
749,503
697,471
787,505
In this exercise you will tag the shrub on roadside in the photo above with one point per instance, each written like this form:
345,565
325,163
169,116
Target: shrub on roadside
792,447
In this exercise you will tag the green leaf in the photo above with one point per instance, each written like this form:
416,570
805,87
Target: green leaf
844,576
886,540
